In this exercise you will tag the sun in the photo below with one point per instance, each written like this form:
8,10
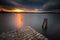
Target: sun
17,10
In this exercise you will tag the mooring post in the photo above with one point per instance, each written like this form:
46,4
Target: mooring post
44,25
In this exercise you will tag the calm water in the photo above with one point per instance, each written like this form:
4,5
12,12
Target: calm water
9,21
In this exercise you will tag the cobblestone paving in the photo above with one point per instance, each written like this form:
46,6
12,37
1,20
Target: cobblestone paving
25,33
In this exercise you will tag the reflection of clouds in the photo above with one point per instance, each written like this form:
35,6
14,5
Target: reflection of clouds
36,20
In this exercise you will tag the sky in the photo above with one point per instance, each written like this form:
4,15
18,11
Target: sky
31,4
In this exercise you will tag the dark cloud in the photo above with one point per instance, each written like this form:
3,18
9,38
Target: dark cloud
5,4
40,4
51,5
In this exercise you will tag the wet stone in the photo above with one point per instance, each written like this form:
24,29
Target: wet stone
25,33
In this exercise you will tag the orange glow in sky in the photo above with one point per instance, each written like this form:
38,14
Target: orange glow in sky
17,10
12,10
26,10
22,10
19,20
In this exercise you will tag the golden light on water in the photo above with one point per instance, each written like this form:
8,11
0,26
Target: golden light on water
19,17
19,20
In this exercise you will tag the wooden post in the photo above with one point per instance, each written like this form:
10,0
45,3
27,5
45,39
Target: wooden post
44,25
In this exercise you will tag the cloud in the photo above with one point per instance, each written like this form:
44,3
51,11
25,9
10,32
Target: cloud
15,3
31,4
51,5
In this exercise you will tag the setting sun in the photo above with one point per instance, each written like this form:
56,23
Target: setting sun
18,10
